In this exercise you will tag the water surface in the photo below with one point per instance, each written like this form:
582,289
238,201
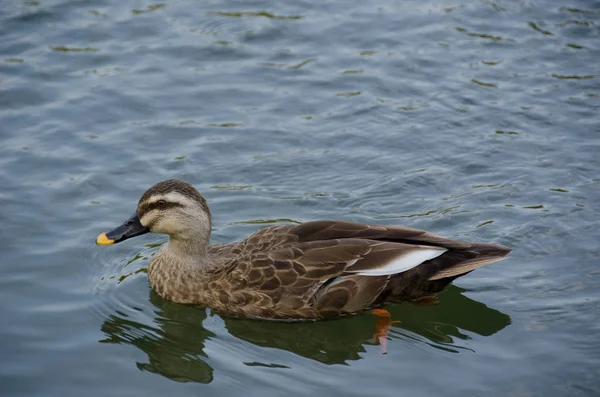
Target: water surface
474,120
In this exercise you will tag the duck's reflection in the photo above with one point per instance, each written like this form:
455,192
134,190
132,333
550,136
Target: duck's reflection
175,347
174,343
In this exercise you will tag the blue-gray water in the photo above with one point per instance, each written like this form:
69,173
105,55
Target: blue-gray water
476,120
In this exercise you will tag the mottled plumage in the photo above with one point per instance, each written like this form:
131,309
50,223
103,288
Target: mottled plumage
320,269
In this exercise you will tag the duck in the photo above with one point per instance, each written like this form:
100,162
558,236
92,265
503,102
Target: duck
314,270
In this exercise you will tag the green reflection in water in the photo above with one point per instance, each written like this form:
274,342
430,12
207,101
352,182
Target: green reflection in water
225,125
175,342
538,29
298,66
254,14
175,346
578,11
575,46
574,22
349,94
507,132
485,223
150,8
571,77
61,48
482,35
358,71
484,84
124,276
285,66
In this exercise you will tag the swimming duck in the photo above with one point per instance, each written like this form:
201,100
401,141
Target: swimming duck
313,270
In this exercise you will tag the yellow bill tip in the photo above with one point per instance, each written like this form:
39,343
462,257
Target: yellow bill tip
103,240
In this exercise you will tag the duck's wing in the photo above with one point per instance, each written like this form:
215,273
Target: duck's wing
325,278
461,257
326,230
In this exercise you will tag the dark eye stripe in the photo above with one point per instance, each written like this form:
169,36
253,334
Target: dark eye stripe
149,207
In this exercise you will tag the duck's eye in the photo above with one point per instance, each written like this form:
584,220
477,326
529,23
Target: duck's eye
161,203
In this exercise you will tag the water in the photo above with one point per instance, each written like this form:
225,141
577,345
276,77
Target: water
474,120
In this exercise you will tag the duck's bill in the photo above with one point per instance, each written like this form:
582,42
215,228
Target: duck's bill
129,229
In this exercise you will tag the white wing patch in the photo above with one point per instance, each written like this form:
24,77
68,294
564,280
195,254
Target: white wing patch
404,262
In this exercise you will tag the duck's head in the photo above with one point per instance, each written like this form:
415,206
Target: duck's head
171,207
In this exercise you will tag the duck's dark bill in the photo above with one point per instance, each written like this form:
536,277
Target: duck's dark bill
129,229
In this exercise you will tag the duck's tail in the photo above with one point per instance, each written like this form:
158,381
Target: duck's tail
457,263
434,275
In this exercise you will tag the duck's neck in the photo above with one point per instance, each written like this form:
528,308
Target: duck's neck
190,250
177,272
190,243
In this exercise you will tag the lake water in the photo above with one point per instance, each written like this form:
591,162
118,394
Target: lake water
476,120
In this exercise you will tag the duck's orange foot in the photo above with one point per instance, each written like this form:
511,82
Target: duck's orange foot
381,328
382,313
